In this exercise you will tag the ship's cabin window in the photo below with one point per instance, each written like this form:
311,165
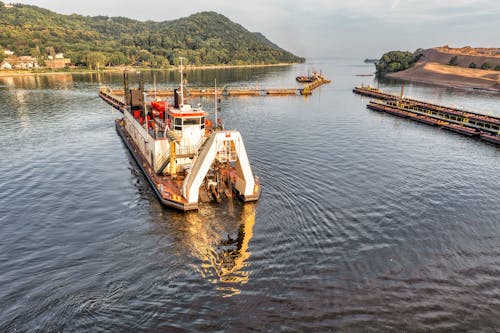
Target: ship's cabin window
178,124
191,121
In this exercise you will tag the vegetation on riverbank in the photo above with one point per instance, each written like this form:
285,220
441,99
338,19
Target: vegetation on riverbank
205,38
395,61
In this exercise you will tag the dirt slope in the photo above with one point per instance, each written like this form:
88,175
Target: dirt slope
432,68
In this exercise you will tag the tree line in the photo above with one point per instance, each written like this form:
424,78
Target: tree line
206,38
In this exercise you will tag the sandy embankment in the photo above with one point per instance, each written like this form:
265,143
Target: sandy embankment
433,68
451,76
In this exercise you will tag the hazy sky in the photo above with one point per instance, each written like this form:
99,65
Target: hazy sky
319,28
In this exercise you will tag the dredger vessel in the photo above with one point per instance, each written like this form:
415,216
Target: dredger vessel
185,156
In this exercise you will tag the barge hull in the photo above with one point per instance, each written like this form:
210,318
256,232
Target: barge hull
460,129
495,139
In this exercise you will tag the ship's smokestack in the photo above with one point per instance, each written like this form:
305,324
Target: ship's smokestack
176,98
125,88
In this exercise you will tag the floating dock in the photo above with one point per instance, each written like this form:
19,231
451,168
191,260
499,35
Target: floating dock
464,122
116,97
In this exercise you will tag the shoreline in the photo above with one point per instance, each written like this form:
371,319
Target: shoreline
450,76
16,73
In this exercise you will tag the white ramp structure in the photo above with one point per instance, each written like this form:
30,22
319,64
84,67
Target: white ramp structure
222,146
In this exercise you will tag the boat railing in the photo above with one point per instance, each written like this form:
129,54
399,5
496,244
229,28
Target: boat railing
157,133
227,154
191,150
162,162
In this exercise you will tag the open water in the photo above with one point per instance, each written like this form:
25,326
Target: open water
367,222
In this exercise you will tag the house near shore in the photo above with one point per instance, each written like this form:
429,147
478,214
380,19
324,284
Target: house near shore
57,63
26,62
5,65
23,62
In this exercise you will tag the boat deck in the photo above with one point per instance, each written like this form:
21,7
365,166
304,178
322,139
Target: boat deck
167,189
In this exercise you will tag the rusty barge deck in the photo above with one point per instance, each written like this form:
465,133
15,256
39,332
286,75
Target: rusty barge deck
467,123
115,97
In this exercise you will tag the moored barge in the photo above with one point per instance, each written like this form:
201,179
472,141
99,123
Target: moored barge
467,123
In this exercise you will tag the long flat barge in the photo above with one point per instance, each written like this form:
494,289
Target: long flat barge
116,98
467,123
473,119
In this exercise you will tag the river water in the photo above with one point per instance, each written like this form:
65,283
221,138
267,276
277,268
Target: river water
367,222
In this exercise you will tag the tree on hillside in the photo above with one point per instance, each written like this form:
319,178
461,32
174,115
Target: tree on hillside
395,61
486,65
472,65
497,67
51,51
95,60
117,58
453,61
36,53
2,55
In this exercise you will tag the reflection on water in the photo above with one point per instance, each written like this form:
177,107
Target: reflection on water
223,256
217,237
226,77
60,81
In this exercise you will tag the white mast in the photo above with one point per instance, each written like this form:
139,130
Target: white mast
182,83
215,102
145,112
154,82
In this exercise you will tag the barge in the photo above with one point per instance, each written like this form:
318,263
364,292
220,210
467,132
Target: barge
115,97
185,157
472,124
315,76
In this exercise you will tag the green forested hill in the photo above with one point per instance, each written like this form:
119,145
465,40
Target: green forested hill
203,38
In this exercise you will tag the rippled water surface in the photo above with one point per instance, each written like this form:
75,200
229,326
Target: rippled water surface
367,222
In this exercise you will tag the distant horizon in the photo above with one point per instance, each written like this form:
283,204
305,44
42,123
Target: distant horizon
320,29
